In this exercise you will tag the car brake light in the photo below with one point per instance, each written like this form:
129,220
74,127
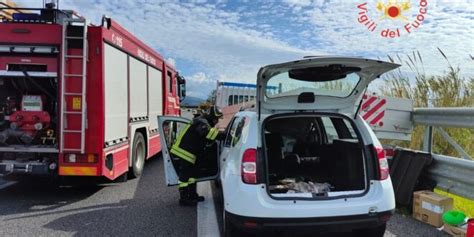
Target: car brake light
383,163
389,152
249,166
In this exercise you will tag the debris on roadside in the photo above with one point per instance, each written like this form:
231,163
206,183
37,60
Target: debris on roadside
429,207
290,185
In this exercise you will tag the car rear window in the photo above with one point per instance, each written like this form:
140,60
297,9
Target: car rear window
282,85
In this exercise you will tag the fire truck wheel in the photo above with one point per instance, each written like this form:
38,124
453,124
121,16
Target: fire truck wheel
138,155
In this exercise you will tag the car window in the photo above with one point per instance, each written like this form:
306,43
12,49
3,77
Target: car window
349,126
238,131
331,132
232,131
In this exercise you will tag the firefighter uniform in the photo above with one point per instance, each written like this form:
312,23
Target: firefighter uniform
195,141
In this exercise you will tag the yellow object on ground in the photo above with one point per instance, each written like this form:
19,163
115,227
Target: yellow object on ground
460,203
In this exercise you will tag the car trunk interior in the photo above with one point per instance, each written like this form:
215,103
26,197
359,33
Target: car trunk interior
313,156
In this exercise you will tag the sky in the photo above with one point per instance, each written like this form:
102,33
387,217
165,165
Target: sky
230,40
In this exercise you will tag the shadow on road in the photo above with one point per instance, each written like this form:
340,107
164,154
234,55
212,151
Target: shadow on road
153,211
33,194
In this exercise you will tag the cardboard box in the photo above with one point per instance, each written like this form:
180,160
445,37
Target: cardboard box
455,230
429,207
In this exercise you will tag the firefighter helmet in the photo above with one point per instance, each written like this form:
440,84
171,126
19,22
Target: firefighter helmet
213,112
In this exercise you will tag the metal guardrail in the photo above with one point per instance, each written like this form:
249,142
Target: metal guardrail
458,117
444,117
453,175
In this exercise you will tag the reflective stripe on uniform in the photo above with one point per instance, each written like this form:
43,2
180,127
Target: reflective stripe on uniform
180,152
183,154
212,134
181,135
185,184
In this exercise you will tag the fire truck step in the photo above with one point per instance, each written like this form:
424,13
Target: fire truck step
71,93
73,75
72,112
73,131
74,56
74,37
71,149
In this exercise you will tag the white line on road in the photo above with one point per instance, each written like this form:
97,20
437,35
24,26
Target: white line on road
7,184
206,212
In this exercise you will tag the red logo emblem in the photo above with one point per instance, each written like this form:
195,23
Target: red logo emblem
398,12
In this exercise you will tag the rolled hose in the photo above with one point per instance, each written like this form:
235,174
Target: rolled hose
454,217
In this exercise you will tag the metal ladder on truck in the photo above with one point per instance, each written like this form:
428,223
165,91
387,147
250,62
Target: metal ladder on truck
73,98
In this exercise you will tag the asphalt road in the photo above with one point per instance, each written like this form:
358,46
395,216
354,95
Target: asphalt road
140,207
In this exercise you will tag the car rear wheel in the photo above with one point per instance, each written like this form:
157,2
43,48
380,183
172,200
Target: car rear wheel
228,229
138,155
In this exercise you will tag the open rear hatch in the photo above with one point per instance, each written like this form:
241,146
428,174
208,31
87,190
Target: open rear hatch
313,148
332,84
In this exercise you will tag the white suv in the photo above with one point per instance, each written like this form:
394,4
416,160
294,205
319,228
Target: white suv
303,159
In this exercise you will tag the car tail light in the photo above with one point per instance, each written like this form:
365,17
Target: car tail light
389,152
80,158
383,163
249,166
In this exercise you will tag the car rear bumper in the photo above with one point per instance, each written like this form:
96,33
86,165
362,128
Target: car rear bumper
320,224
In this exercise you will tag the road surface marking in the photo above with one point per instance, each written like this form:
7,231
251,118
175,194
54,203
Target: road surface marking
206,212
7,184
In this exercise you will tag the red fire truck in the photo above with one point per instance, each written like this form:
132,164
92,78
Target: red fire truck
78,99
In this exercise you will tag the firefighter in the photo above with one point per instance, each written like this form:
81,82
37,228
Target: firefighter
195,143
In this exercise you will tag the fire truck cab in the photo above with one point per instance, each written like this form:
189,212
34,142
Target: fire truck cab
78,99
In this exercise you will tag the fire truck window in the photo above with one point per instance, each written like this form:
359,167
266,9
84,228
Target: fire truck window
169,83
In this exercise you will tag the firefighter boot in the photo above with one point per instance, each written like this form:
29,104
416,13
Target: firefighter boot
185,198
194,194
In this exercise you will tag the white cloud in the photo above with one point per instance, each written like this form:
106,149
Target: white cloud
199,85
171,61
448,25
199,77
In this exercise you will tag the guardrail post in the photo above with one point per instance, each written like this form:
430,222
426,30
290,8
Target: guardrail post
428,139
453,143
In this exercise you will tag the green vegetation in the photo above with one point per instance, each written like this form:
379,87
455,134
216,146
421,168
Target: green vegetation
450,89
